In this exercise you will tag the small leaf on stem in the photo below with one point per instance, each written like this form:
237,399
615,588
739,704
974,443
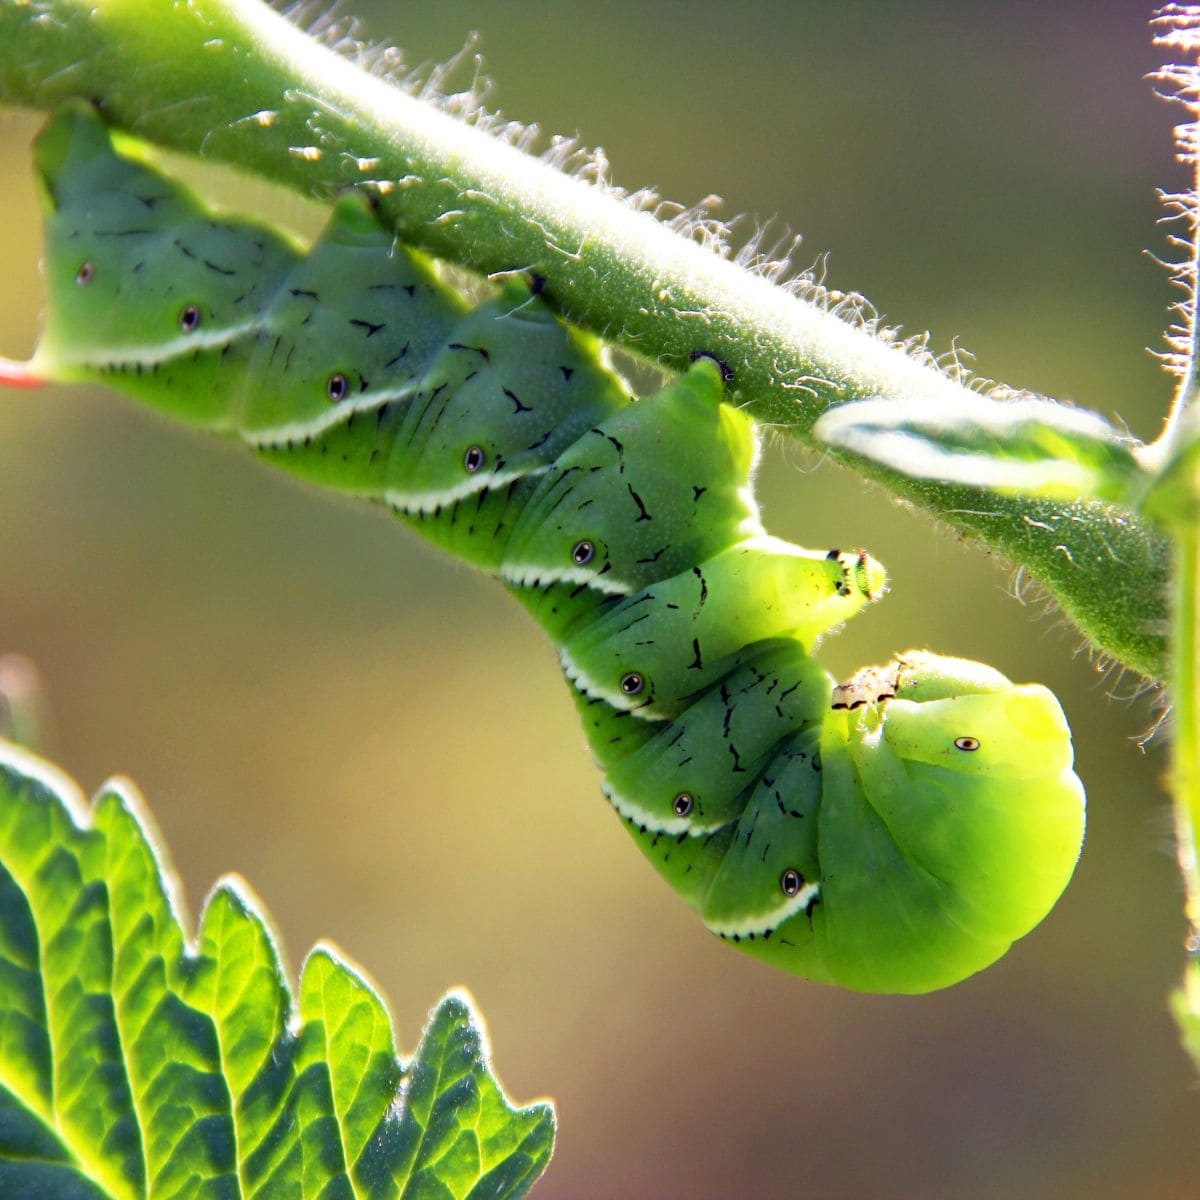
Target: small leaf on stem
1029,447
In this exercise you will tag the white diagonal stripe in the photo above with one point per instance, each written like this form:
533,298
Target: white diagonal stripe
769,920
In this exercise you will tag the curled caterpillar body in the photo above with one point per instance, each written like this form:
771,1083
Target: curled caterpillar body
928,831
896,833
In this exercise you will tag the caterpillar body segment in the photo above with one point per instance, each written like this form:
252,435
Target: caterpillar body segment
673,479
893,833
730,730
150,292
859,854
655,650
379,304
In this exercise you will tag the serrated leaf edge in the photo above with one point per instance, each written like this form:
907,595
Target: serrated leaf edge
82,813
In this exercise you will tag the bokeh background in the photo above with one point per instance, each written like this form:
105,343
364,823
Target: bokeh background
379,740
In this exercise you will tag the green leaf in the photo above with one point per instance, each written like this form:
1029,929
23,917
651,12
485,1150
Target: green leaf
1029,447
135,1062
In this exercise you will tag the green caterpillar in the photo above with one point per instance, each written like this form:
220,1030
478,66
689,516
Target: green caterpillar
894,834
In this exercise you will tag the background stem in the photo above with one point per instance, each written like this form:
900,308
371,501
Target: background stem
1185,767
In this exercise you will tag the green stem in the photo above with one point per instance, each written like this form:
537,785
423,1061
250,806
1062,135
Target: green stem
232,80
1173,503
1185,767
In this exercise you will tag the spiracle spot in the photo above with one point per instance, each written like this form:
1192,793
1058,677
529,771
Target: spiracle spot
338,387
966,743
85,274
683,804
474,459
632,684
189,318
583,553
791,881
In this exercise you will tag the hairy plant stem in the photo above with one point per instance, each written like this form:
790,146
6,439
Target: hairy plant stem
232,80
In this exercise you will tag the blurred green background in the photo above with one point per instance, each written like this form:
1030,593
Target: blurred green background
380,741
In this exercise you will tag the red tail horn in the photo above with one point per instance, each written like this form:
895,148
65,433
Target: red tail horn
18,375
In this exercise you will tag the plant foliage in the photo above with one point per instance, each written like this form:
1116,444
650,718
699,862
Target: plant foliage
137,1062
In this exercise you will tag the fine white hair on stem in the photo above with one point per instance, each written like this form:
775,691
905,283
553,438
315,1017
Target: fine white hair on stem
1177,28
767,250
